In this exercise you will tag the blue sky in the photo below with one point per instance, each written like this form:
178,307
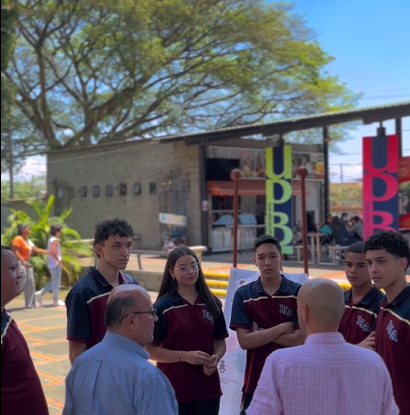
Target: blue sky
370,41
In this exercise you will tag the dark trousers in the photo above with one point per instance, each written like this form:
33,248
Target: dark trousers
246,401
209,407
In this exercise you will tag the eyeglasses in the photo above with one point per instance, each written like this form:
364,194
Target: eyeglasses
152,313
184,269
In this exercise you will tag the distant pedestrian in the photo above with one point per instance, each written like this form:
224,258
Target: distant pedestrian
21,390
115,376
54,265
22,247
87,299
388,256
325,376
189,336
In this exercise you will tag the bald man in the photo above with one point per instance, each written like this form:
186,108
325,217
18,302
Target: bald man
326,375
115,377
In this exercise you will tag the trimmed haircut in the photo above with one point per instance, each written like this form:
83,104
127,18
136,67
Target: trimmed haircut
356,218
266,239
356,248
117,309
169,284
392,242
111,227
20,228
5,248
54,229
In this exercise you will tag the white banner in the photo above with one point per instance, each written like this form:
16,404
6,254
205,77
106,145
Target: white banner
232,366
171,219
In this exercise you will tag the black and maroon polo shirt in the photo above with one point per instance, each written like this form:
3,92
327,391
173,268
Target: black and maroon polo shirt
359,320
393,345
186,327
252,304
21,390
86,303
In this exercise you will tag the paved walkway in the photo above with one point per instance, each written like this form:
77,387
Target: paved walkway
45,327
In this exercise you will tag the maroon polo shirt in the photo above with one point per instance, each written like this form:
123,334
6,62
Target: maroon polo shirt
393,345
252,304
21,390
187,327
86,303
359,320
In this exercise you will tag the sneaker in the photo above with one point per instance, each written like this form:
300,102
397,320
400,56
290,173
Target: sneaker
59,303
38,298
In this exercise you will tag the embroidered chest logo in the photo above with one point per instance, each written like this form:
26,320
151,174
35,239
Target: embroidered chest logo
363,324
391,331
206,314
285,310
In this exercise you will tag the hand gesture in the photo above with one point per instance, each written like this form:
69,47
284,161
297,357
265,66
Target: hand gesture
212,366
197,358
369,342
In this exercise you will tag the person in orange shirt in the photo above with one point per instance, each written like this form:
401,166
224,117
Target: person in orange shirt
22,247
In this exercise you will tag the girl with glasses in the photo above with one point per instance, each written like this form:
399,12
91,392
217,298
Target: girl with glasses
189,336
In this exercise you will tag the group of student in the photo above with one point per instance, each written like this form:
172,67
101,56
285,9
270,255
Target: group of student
341,231
112,324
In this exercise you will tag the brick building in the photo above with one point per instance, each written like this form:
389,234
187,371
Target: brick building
138,180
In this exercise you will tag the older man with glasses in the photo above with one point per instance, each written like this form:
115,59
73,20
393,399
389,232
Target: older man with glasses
115,377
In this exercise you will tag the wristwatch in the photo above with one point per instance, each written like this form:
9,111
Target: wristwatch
257,328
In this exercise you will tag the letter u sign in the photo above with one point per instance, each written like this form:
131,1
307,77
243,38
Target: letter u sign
380,184
279,195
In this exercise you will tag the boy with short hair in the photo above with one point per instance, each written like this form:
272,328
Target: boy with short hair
264,313
362,301
86,302
387,257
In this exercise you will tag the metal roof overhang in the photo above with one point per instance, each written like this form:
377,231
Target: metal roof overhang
246,188
366,115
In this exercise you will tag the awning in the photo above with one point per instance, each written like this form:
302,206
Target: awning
246,188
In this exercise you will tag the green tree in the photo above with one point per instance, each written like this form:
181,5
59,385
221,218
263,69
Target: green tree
92,71
25,189
345,194
8,18
72,248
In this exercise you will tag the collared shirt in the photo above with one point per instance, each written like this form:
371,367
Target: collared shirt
359,320
86,304
115,377
187,327
252,304
20,385
393,345
325,376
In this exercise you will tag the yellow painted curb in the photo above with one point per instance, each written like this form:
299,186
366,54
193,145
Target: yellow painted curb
220,293
222,275
213,283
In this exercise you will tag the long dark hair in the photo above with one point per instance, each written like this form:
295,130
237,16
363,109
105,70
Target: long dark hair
169,285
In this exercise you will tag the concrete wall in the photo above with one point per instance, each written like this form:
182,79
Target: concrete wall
173,167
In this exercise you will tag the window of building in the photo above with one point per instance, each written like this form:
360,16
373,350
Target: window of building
153,188
123,189
137,189
83,191
96,191
60,193
109,190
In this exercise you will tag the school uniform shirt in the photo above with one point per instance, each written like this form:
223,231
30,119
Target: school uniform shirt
359,320
86,304
186,327
252,304
21,390
393,345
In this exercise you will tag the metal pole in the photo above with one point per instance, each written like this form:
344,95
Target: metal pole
326,169
236,174
11,161
400,135
302,172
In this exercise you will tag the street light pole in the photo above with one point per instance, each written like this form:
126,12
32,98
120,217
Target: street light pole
302,173
236,174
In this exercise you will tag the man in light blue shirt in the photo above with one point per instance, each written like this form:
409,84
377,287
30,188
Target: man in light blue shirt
115,377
